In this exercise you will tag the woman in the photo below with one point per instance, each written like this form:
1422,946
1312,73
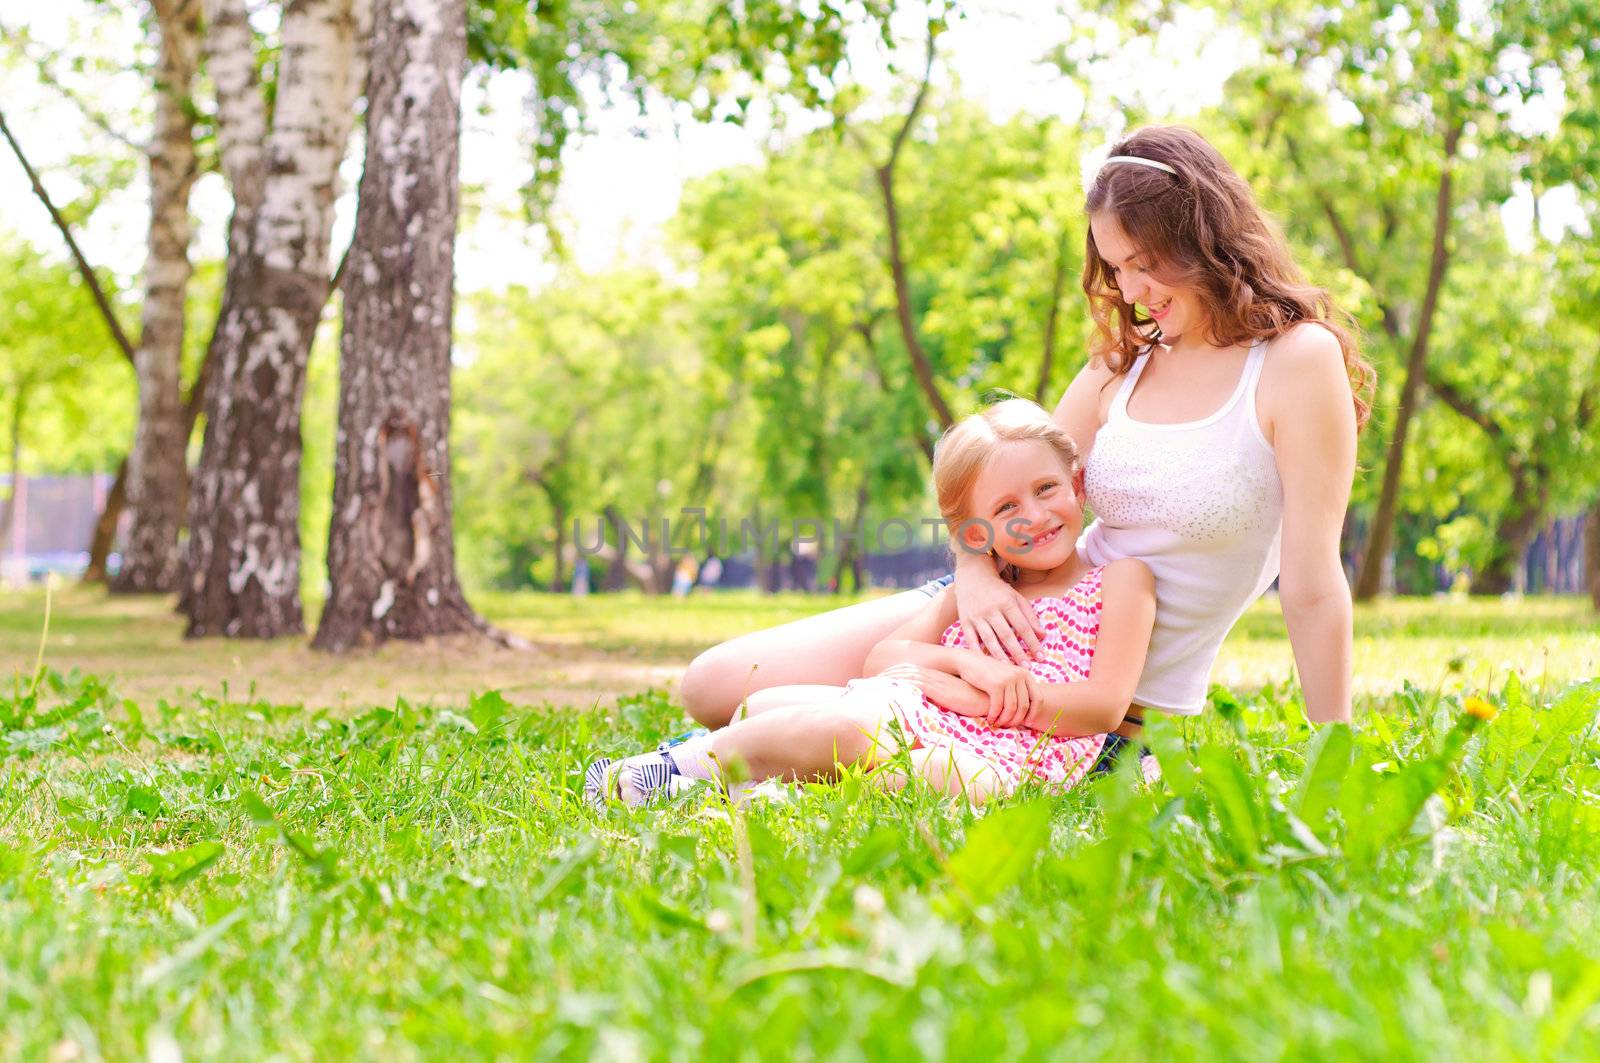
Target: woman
1219,412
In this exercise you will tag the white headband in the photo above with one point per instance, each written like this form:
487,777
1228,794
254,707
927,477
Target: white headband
1142,162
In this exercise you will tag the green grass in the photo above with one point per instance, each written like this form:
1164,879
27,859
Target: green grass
250,876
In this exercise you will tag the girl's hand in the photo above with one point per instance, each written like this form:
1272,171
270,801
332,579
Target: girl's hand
1022,714
995,618
1008,687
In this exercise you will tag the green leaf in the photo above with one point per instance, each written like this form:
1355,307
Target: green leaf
1239,816
999,849
176,868
1177,769
1328,761
880,851
144,800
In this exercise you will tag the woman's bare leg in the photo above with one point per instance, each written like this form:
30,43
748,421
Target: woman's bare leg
782,697
829,648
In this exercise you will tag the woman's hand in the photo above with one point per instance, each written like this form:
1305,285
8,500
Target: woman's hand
994,617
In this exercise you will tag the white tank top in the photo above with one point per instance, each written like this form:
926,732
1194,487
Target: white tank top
1201,503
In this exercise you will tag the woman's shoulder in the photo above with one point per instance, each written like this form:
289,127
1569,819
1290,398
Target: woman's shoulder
1305,345
1304,367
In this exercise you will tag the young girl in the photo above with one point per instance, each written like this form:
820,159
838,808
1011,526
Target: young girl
1006,480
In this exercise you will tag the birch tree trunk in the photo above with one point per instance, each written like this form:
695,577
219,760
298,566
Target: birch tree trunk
242,565
156,472
391,550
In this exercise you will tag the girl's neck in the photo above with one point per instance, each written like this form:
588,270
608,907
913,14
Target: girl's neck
1038,583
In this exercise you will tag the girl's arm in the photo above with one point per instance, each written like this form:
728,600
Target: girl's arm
985,684
1098,704
1314,439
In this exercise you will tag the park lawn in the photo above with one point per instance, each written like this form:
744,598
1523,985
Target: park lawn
588,650
404,871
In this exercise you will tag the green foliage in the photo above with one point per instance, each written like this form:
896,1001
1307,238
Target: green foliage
1349,126
712,59
60,374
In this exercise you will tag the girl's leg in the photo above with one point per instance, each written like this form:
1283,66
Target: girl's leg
829,648
800,741
957,774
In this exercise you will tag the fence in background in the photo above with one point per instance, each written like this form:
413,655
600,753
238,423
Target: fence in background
53,517
52,521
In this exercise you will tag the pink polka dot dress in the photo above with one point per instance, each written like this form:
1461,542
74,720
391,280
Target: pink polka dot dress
1066,649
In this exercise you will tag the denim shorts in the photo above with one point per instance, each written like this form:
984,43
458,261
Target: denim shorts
1115,746
934,586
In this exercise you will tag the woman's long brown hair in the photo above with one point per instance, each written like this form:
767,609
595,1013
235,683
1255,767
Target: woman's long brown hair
1204,231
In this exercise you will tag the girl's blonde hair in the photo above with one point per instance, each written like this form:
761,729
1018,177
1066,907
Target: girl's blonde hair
971,443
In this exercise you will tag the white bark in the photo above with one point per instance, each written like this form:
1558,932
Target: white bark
156,462
244,546
391,553
241,111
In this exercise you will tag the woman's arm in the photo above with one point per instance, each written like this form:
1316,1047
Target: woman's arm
1098,704
994,617
1313,432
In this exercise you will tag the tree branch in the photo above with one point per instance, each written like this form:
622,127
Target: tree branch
1052,318
84,269
1588,400
864,330
1347,244
1341,231
1522,483
46,75
1458,401
920,363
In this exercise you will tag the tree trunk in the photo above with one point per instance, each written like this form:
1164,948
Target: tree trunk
616,567
1591,553
156,471
391,550
921,364
1370,579
242,565
1512,534
19,413
1052,319
105,528
559,582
